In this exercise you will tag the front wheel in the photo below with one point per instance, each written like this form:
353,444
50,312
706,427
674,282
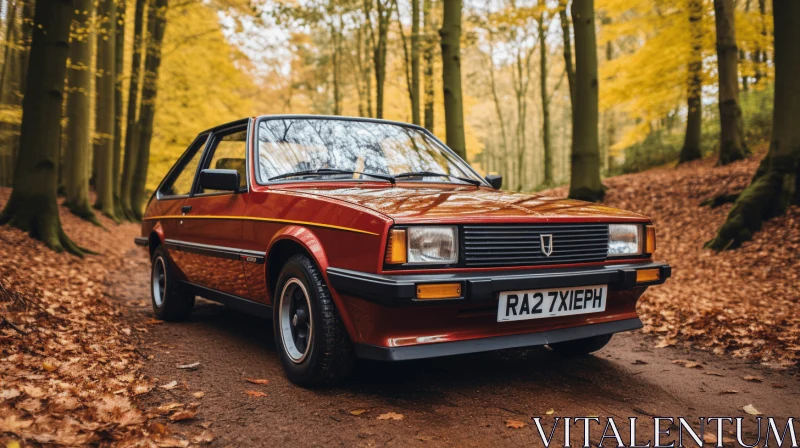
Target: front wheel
311,341
581,346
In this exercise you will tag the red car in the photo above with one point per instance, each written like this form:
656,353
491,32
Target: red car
371,239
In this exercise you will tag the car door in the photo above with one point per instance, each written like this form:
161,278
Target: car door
173,192
210,232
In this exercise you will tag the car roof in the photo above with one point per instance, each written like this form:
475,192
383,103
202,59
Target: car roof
312,116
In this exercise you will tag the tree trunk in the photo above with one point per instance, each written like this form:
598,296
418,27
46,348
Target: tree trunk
497,105
79,127
104,107
694,116
777,182
451,77
156,24
384,13
428,56
585,182
548,155
132,130
119,113
565,33
760,56
32,206
415,115
9,89
732,144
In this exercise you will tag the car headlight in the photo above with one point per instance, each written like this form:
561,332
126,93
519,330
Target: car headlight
624,239
423,245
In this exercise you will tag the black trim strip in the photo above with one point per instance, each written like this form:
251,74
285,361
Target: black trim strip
436,350
228,253
238,303
400,290
141,241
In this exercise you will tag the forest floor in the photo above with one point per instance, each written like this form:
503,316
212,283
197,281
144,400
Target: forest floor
82,361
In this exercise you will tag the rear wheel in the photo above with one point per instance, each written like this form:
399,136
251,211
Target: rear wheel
311,341
171,301
581,346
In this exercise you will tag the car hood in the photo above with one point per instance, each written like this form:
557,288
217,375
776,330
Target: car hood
431,204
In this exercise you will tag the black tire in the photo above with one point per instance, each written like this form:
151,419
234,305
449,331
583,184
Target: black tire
580,347
326,356
176,302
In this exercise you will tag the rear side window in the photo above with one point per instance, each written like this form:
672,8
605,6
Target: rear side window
181,179
228,152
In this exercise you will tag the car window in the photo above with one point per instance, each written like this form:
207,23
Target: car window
182,178
228,152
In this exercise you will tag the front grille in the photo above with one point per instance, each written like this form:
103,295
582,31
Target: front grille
490,245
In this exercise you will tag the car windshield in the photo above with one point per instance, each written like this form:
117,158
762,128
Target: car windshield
330,149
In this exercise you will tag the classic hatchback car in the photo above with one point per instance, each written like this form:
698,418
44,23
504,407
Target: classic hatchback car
369,238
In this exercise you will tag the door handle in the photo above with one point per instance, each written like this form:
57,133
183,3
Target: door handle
186,209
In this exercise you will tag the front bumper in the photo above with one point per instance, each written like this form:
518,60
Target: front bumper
401,290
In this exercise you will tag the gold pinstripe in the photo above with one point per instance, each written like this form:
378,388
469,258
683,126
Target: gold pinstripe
250,218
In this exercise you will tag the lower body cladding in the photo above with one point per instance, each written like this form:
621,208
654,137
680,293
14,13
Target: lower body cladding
494,310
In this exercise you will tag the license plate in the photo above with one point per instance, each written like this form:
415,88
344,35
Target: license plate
541,303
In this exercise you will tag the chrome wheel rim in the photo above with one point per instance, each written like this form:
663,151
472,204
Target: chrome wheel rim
296,321
159,281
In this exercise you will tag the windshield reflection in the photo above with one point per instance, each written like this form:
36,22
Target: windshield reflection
305,144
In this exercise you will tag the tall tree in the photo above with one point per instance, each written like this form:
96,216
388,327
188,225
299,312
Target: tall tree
732,143
776,184
546,146
694,112
104,109
156,24
119,113
32,206
430,39
585,181
132,131
567,47
79,127
415,109
379,46
451,77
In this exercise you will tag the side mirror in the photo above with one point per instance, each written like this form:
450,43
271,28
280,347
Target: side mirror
220,180
495,180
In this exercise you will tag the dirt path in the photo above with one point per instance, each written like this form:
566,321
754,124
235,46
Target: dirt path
461,401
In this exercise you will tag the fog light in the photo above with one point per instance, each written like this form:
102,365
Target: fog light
647,275
439,291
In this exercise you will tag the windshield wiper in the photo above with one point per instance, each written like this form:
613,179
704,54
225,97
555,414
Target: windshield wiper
322,171
477,183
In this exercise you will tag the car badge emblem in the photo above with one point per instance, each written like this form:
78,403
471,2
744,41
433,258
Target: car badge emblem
547,244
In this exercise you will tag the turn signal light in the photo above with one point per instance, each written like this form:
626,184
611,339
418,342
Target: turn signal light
439,291
647,275
650,246
396,252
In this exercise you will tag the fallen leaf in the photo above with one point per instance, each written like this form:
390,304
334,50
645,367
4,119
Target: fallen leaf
49,366
154,322
778,386
255,393
203,438
730,391
390,416
515,424
169,407
256,381
639,362
169,386
755,379
714,374
192,366
688,364
199,394
550,411
750,409
185,414
172,443
357,412
142,388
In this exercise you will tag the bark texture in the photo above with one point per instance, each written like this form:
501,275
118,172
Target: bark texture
565,34
415,115
379,55
79,127
430,39
732,143
776,184
104,107
32,206
119,113
451,77
585,181
548,152
694,116
132,130
156,24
